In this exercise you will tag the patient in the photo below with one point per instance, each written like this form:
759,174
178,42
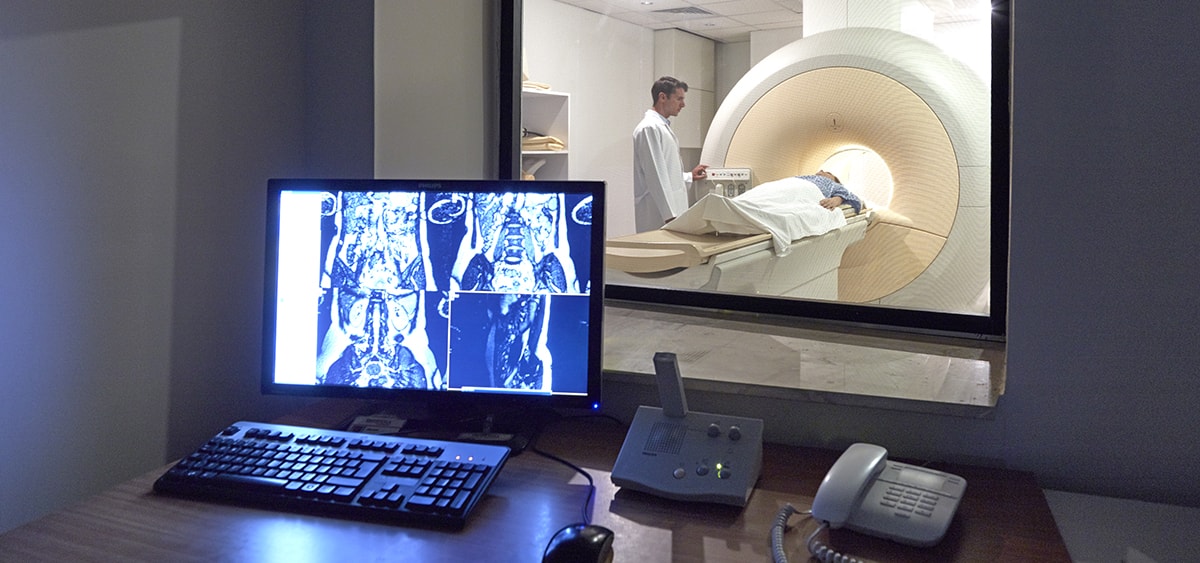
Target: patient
835,193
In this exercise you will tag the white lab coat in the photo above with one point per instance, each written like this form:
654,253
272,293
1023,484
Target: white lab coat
660,186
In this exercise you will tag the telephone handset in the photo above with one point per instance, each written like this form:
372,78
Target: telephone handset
867,493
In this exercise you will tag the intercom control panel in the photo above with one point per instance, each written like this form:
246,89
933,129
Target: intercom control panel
697,457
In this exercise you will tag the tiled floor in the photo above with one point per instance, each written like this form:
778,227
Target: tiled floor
762,352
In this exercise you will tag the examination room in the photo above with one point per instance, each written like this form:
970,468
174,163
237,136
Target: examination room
138,137
892,98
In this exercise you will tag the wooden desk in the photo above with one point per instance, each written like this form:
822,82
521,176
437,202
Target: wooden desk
1003,517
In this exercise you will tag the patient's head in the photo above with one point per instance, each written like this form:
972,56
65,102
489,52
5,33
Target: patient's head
828,175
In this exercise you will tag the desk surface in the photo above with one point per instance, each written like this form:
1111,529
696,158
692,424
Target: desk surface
1003,517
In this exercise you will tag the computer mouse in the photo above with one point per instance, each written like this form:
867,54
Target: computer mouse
580,543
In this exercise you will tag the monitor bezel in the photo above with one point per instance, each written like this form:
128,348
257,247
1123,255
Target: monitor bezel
450,401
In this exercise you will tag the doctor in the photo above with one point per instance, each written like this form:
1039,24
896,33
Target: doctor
660,186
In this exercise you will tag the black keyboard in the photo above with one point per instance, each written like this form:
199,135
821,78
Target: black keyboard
347,474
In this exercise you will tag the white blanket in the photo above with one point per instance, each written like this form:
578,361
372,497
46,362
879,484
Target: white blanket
789,209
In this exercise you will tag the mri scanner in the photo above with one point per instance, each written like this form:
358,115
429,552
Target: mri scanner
923,112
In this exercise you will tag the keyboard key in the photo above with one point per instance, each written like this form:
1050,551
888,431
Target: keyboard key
344,481
248,482
421,502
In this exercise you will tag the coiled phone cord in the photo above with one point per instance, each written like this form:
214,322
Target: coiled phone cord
777,528
819,550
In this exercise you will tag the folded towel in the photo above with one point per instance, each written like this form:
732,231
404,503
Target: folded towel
542,143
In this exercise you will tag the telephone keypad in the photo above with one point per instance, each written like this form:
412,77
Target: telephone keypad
906,501
909,504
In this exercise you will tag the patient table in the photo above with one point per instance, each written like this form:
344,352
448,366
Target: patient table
745,264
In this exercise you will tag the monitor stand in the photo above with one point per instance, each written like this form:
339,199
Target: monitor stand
510,427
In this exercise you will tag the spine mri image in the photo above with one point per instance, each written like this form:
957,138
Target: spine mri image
454,291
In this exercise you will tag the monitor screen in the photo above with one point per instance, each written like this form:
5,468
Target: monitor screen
470,290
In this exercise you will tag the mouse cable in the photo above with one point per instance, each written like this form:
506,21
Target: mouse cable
819,550
587,503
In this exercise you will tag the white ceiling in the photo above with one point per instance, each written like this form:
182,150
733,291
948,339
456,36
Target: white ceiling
730,21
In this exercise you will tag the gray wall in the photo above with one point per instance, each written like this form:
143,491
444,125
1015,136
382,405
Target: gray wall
136,138
1104,306
87,236
435,56
134,148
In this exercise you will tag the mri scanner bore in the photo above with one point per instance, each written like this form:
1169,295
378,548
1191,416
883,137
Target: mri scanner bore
901,121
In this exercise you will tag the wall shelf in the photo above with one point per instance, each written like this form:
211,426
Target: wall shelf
546,113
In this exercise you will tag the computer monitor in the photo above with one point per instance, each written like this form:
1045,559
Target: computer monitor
446,294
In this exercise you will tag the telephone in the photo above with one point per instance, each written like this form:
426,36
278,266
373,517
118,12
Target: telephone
865,492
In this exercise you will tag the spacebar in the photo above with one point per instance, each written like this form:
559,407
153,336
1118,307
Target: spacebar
248,482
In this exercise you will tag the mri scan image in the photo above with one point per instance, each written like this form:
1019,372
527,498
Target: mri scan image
374,283
451,290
